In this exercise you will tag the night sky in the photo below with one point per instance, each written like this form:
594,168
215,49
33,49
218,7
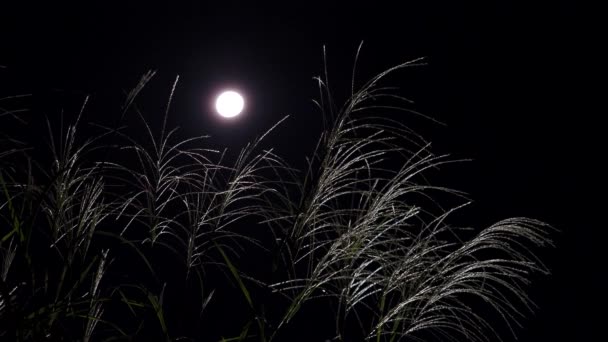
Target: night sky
507,78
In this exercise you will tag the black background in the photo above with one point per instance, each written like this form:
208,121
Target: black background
511,81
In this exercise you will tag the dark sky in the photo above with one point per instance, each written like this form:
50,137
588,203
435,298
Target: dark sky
508,78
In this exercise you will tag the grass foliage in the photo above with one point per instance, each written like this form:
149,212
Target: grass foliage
124,236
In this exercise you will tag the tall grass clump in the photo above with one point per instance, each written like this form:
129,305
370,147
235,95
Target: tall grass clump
115,234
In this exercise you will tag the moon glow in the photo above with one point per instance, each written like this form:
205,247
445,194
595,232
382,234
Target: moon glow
229,104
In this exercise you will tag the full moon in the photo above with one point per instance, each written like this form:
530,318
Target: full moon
229,104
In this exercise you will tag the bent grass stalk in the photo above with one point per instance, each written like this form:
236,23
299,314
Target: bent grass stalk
351,230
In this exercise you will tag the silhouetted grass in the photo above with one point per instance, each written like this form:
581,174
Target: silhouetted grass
98,231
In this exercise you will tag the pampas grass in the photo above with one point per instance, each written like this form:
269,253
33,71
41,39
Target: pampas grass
361,230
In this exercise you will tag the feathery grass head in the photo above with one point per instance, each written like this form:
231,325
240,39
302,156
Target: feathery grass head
374,236
364,230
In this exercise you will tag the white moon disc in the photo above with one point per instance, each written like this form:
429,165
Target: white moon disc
229,104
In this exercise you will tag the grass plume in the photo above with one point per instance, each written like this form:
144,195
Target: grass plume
96,235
